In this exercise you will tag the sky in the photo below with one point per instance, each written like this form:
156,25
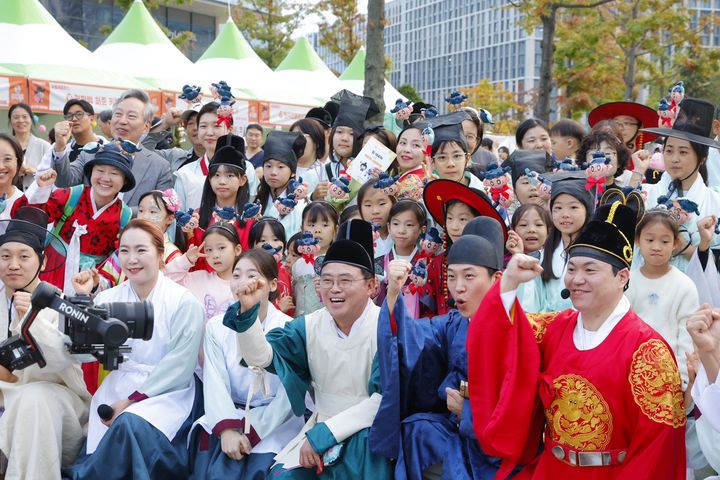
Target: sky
310,23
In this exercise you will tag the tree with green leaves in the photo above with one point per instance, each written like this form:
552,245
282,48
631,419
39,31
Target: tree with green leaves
410,92
375,56
501,103
545,13
269,25
340,27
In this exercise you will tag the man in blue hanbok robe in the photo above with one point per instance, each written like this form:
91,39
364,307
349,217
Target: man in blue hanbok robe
331,352
425,421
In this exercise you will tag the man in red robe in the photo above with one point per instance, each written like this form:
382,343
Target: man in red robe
600,383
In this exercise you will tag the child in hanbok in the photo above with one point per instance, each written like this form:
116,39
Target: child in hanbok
153,392
375,204
248,418
266,233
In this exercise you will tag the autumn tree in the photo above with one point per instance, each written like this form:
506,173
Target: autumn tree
270,25
341,28
501,103
545,13
375,56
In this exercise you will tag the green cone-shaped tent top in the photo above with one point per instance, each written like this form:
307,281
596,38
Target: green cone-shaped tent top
303,68
353,79
43,50
139,47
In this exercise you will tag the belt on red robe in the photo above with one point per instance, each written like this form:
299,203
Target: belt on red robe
571,456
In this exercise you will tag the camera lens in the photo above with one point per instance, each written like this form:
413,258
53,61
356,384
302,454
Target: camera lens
137,316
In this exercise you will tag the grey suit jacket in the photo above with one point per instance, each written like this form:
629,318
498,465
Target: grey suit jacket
151,172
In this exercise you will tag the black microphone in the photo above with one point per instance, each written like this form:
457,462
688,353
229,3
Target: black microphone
565,293
105,412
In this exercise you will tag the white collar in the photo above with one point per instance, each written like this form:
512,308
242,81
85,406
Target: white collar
587,340
397,256
356,324
97,211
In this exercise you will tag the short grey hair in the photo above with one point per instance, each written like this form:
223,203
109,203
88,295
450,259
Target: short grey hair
139,95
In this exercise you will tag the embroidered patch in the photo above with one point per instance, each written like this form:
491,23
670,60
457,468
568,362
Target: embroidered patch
655,384
579,416
539,323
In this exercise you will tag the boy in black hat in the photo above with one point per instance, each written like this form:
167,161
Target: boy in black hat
45,408
332,349
608,384
425,418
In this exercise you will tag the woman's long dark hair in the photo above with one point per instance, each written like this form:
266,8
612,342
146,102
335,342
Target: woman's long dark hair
315,131
207,204
25,107
527,125
551,243
701,151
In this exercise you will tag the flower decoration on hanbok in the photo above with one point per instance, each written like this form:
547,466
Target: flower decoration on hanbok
191,94
276,252
339,189
222,92
496,181
402,109
387,183
251,211
431,243
298,188
418,279
680,209
567,165
455,100
226,214
665,118
285,205
308,247
595,173
172,201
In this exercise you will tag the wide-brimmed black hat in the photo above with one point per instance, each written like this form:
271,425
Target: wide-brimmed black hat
482,243
609,236
438,193
230,150
693,123
285,147
353,245
110,154
29,227
353,110
522,160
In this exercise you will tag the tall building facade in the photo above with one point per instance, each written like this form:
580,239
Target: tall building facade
87,20
440,45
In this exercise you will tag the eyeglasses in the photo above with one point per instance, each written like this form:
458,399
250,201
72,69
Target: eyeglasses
457,158
626,124
344,283
74,116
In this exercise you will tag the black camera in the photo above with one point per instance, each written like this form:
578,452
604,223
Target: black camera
100,331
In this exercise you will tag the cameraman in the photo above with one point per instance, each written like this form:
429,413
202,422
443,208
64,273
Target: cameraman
46,408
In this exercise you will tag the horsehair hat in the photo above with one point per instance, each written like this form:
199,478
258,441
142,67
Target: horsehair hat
522,160
353,110
353,245
609,236
693,123
230,150
285,147
29,227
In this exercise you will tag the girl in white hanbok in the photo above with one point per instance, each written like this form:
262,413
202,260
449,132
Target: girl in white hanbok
153,392
248,418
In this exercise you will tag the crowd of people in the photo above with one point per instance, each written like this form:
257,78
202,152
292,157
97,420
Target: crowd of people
546,311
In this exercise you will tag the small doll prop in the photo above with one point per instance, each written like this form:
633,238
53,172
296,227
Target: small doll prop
226,214
680,209
339,189
541,184
664,114
222,92
251,211
455,100
402,110
276,252
418,279
496,181
298,188
567,165
431,244
285,205
308,247
191,94
387,183
188,221
595,173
